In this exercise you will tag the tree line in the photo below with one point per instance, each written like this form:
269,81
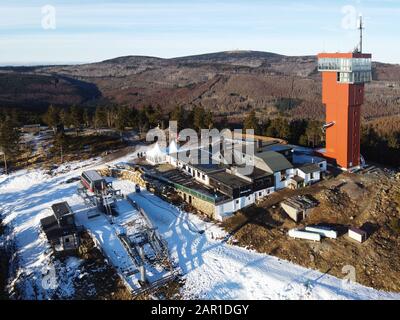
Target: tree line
9,138
381,146
296,131
121,117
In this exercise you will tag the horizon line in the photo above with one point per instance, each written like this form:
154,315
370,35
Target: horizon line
71,63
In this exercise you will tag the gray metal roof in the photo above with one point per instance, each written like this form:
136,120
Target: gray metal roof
93,175
275,161
301,202
202,161
229,180
310,168
61,209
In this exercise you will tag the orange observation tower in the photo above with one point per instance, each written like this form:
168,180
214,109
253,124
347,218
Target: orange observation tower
343,79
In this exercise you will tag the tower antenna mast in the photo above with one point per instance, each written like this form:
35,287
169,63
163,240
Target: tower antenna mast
361,28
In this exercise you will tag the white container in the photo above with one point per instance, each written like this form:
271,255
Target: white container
325,232
358,236
297,234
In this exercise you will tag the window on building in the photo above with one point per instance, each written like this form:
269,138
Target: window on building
237,201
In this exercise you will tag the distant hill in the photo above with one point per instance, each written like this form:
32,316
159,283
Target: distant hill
229,83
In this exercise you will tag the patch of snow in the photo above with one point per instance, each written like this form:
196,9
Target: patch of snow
216,270
212,268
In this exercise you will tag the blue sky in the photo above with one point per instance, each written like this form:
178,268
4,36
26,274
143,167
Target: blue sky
94,30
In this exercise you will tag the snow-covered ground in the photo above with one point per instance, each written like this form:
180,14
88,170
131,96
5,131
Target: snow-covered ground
212,268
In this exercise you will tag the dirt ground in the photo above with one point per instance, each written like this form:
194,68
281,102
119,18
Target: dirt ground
98,280
370,201
81,147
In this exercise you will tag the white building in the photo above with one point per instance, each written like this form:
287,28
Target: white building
272,169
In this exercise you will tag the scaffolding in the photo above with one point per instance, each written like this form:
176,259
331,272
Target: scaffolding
103,201
142,242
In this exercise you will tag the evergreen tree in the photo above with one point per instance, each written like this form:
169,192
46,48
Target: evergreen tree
251,122
76,118
208,119
100,117
87,118
52,117
9,141
178,114
60,145
199,118
122,118
65,117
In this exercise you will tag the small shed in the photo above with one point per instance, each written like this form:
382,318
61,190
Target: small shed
31,128
310,172
93,181
297,208
60,228
357,234
295,183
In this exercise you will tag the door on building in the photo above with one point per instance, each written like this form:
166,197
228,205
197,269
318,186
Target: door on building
300,216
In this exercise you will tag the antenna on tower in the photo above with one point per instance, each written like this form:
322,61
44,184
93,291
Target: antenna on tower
361,28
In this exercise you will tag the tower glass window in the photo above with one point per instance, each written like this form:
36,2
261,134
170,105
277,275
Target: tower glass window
349,70
344,64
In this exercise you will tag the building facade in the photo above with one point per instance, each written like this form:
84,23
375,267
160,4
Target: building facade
343,79
213,186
